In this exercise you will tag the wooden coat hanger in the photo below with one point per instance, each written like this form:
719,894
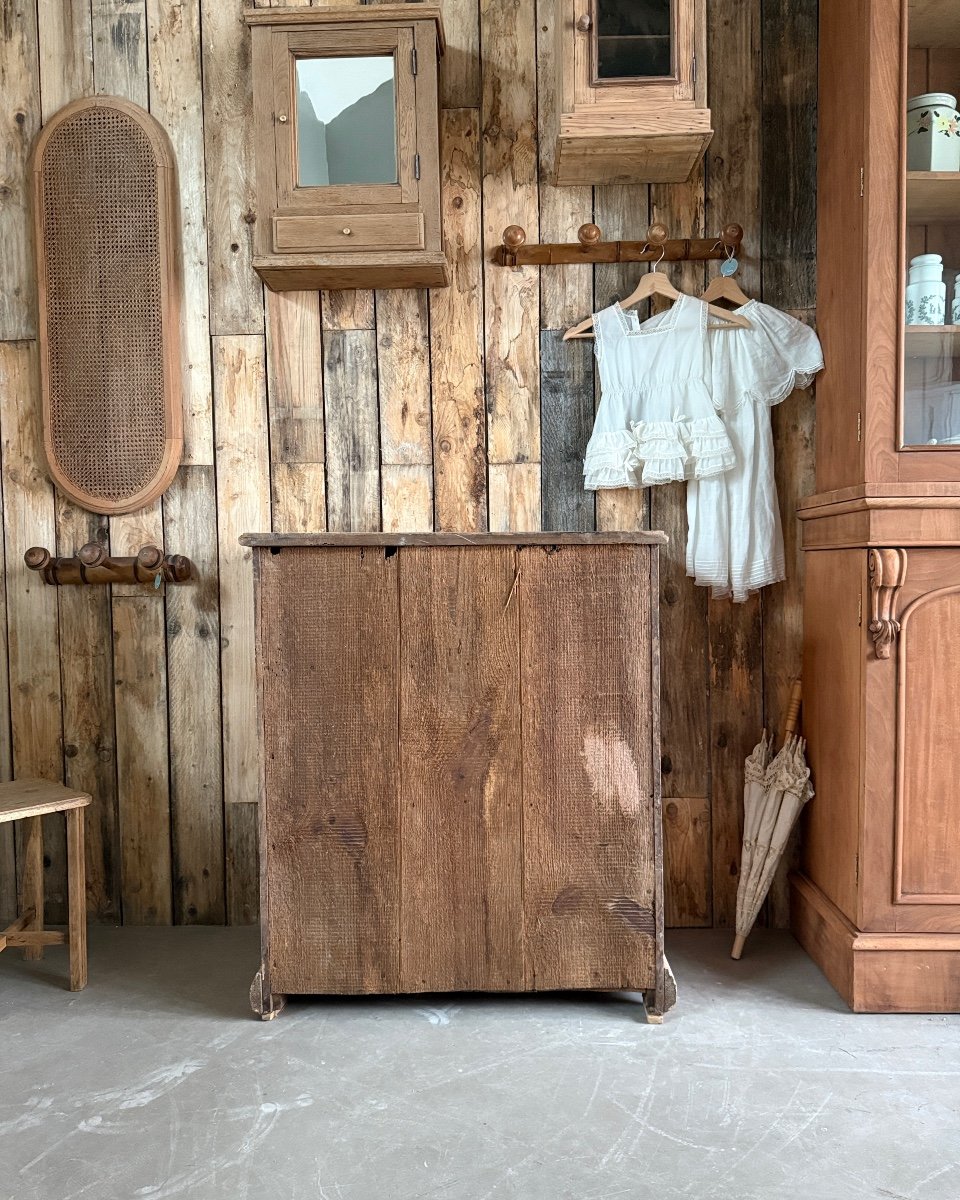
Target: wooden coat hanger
656,283
725,287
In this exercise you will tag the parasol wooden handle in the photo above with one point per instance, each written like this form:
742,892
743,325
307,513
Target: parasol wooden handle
792,720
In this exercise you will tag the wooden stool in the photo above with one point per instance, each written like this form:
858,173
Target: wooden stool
28,800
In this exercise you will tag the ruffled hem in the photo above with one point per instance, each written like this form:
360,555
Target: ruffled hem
657,452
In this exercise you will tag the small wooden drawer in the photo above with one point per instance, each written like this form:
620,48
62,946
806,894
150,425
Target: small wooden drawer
380,231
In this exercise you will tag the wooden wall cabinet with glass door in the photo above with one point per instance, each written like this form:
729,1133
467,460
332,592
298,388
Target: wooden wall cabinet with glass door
633,91
877,903
347,152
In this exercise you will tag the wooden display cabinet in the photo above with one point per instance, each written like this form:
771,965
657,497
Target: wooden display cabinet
877,904
346,106
633,91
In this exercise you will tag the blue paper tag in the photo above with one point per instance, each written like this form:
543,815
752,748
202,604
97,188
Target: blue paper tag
729,267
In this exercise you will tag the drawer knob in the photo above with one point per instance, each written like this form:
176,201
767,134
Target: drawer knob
584,23
346,230
282,118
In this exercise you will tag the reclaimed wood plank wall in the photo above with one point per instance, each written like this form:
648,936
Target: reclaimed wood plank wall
457,409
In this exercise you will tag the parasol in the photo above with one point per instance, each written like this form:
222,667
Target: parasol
774,792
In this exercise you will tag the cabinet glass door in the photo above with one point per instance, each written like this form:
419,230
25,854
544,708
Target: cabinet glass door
634,39
931,365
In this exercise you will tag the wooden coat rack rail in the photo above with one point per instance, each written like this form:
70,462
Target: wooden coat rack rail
92,564
658,246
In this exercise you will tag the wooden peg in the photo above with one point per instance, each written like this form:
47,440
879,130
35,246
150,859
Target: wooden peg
37,558
93,554
657,234
732,236
589,235
513,237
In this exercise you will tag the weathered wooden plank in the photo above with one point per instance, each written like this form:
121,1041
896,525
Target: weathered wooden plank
403,370
66,52
140,688
299,497
34,649
514,497
686,853
621,211
295,376
460,66
330,629
236,296
89,733
348,309
243,499
353,453
566,420
509,189
456,323
589,875
407,493
242,871
566,292
19,122
733,194
193,664
460,766
176,100
120,49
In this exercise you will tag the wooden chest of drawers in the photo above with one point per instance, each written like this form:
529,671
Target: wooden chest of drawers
461,764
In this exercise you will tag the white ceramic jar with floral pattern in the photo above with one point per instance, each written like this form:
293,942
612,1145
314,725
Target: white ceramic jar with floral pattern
933,133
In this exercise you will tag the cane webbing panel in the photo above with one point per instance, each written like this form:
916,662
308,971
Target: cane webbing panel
106,264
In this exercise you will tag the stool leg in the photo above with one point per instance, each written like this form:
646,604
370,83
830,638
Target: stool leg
31,879
77,891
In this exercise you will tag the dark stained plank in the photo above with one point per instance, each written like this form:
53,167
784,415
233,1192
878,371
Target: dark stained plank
461,897
789,281
352,428
588,769
736,665
566,421
329,642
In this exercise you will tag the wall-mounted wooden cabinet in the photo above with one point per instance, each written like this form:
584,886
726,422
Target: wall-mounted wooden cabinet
347,148
633,91
878,902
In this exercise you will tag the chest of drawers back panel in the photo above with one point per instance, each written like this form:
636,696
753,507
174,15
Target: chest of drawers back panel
460,763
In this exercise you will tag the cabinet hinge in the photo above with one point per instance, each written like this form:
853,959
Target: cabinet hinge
416,166
861,182
859,426
413,60
694,68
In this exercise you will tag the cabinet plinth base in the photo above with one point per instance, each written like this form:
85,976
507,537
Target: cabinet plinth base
605,150
876,972
396,269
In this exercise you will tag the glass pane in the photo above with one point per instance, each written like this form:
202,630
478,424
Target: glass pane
346,121
634,39
931,374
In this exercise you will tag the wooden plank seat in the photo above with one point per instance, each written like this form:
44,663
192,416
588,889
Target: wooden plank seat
29,800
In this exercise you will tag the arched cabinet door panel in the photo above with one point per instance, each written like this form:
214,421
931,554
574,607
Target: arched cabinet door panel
106,232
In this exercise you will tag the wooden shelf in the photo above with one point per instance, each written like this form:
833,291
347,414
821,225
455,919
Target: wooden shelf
934,23
933,341
933,197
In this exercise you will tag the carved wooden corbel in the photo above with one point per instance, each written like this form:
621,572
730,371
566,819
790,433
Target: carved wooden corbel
888,573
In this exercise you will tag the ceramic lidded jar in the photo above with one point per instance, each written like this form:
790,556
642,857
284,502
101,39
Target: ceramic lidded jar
926,291
933,133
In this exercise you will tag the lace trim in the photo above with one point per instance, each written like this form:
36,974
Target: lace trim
656,452
774,392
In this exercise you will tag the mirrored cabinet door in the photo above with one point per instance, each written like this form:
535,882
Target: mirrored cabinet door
346,120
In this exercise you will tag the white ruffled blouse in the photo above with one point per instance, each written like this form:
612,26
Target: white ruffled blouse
656,421
734,534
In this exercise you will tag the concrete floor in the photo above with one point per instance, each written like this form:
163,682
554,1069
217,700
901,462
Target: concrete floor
156,1082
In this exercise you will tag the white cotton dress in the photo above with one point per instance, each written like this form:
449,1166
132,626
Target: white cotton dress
734,535
656,421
